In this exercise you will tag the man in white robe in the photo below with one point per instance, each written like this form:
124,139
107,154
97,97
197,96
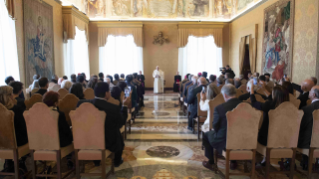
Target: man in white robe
158,76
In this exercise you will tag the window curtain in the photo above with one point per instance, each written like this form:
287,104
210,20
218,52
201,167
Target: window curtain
76,55
120,55
200,54
9,64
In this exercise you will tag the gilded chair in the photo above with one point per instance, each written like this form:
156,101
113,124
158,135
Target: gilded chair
8,145
66,104
44,141
35,98
89,93
282,143
89,138
34,91
239,93
313,152
258,98
241,144
243,89
309,102
218,100
201,117
63,92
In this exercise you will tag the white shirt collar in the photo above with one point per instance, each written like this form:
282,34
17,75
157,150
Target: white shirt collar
100,98
315,100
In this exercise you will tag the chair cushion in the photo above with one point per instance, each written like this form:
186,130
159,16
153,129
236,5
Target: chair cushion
303,151
50,155
261,149
122,129
92,154
239,154
281,153
8,153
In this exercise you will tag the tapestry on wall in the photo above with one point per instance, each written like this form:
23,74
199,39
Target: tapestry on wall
38,39
278,39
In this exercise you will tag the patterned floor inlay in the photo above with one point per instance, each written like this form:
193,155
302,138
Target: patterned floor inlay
176,127
162,151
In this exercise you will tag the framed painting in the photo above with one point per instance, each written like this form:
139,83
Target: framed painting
38,39
278,36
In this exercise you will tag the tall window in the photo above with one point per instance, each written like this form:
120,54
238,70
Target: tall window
76,55
9,64
200,54
121,55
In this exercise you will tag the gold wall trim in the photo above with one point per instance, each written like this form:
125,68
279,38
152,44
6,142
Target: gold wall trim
75,12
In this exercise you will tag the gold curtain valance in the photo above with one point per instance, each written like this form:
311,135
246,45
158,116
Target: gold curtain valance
71,18
10,7
200,30
120,29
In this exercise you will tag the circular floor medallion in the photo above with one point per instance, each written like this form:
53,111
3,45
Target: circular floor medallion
162,151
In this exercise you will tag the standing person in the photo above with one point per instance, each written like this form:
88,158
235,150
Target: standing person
177,82
158,76
230,71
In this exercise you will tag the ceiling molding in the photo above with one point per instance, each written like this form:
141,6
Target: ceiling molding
201,25
119,24
75,12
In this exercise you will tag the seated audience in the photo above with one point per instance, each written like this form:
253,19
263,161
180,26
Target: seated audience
306,125
216,139
116,93
8,80
212,79
93,81
279,95
220,81
66,85
77,90
73,78
304,89
192,100
113,121
185,80
116,79
177,82
7,99
129,81
44,84
110,77
204,74
212,92
269,83
108,81
122,77
249,87
53,85
65,77
237,83
101,77
17,90
190,85
80,79
230,81
51,99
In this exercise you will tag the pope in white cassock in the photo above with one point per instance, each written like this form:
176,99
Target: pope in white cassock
158,76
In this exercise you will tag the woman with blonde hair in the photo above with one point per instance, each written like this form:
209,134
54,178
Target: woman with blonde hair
66,85
212,92
8,101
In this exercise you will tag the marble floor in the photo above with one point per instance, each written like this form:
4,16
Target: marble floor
161,147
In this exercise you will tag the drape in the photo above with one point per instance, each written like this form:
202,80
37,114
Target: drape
200,54
241,54
252,50
120,55
9,64
104,33
76,55
184,33
74,18
10,7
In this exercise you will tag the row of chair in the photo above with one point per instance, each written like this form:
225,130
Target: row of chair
42,127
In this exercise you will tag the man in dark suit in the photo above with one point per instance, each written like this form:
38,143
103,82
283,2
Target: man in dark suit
192,100
304,89
44,85
187,85
113,121
216,139
17,90
182,85
305,132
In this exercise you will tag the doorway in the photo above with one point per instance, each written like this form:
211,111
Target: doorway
246,63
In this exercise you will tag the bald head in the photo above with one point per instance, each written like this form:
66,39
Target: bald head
202,81
307,85
314,93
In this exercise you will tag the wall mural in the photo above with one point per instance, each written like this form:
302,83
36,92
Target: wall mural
162,9
278,39
38,39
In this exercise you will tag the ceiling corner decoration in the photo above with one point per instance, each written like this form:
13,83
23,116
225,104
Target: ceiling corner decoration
178,10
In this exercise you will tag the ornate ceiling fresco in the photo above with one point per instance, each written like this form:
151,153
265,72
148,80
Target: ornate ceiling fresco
206,10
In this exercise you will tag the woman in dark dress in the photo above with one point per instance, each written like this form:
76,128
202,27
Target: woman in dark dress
279,95
7,99
177,81
77,90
